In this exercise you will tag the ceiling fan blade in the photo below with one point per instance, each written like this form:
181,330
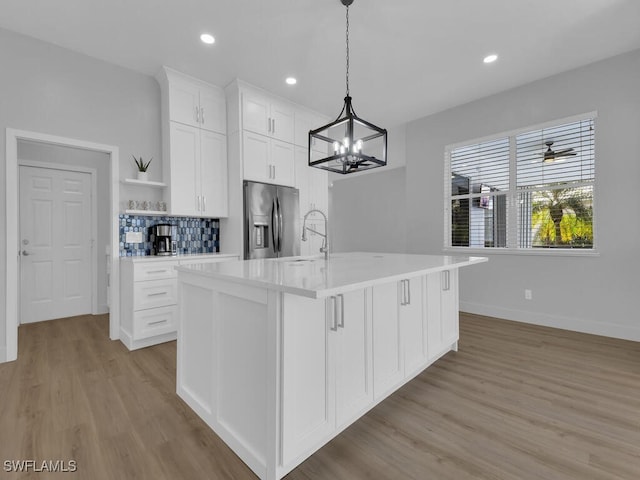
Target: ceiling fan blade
564,152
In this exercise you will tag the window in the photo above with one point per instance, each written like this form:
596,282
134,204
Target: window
526,190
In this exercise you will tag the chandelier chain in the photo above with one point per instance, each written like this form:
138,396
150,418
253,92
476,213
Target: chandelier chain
347,75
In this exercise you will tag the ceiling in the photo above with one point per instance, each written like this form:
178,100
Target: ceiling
409,58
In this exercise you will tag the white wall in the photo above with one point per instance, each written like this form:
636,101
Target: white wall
367,209
367,212
47,89
45,153
595,294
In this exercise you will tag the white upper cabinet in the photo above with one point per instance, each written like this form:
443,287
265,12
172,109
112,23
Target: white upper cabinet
194,145
195,103
305,121
312,182
267,116
213,110
268,160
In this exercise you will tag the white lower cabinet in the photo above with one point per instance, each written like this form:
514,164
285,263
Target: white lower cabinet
278,375
326,369
399,325
149,298
442,313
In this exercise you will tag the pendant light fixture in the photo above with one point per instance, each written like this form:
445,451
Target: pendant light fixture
351,143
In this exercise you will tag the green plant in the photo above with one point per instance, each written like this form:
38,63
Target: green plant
142,166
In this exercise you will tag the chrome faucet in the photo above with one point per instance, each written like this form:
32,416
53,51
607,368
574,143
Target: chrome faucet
325,247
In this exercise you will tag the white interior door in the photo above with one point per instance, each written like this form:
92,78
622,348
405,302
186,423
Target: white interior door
55,244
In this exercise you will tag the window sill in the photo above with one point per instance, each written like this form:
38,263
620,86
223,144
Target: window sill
545,252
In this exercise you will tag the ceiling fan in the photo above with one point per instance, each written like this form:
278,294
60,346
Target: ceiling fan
550,156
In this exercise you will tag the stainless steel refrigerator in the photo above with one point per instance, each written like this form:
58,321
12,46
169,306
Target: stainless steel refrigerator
271,221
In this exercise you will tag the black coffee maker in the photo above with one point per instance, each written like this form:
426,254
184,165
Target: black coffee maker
163,237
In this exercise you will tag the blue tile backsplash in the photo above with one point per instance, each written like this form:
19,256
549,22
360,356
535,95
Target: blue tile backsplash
195,235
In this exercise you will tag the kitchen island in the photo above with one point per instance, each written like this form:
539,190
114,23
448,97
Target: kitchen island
278,356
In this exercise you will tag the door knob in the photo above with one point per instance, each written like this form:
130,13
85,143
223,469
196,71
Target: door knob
25,253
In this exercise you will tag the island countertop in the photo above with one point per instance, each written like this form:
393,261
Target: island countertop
315,277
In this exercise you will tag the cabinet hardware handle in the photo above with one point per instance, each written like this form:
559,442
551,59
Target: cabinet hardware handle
156,271
202,115
204,203
341,324
408,292
156,294
197,115
446,285
402,295
334,320
274,126
274,171
157,322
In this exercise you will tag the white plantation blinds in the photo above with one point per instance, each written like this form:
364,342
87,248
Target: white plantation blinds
529,190
577,166
486,163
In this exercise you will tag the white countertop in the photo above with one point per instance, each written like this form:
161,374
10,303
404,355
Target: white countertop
316,278
166,258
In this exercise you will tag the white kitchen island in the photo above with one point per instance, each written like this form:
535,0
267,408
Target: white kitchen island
278,356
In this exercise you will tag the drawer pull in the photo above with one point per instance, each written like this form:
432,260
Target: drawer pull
157,322
156,271
156,294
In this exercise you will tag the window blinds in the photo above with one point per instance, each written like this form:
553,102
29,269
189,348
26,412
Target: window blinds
505,192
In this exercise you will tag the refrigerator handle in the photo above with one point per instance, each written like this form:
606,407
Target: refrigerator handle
274,221
279,225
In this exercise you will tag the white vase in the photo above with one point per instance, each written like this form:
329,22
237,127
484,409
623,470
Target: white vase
144,176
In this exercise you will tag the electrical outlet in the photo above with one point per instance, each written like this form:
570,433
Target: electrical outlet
133,237
528,294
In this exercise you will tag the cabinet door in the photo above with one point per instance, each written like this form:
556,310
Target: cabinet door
318,189
255,113
213,111
213,174
301,170
449,306
185,155
282,120
442,313
308,376
184,103
354,382
256,157
413,324
305,121
388,370
282,163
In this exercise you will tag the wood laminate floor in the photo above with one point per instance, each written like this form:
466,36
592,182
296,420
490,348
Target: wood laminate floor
516,402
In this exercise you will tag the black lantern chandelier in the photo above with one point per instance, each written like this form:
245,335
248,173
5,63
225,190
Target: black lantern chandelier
352,144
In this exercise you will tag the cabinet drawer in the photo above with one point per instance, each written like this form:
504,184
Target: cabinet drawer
155,321
155,293
154,271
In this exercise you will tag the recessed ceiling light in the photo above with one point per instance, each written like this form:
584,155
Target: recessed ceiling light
490,58
291,81
207,38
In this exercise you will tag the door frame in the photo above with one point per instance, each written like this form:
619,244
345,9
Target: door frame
94,222
12,225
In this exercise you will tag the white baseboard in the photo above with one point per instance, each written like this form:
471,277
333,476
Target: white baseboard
556,321
104,308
